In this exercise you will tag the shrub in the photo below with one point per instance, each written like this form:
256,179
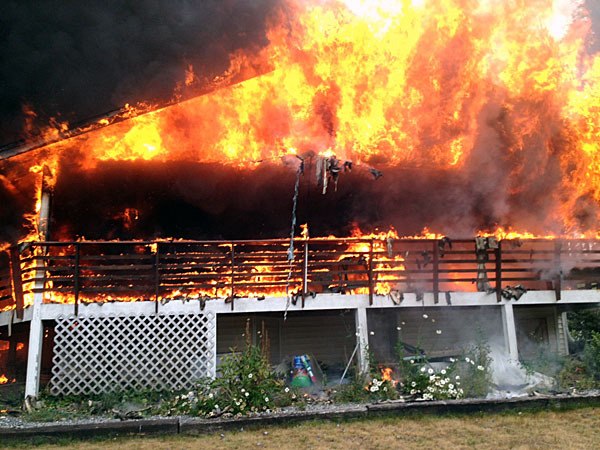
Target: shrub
475,368
422,381
362,389
246,384
379,389
544,361
591,355
575,375
352,392
583,323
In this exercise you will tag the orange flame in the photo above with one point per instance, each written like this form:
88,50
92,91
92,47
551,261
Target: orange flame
5,380
386,375
397,83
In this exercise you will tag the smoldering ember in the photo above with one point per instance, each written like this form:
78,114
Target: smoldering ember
304,202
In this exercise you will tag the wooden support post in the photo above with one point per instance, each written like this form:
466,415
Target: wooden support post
232,276
76,284
362,339
36,327
558,268
370,267
17,280
36,336
156,277
498,253
436,272
305,273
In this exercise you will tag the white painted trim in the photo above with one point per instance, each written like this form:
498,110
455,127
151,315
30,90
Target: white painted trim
36,342
7,317
510,331
36,328
362,339
319,303
213,372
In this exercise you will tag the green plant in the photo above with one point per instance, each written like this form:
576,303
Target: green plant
360,389
575,375
419,378
246,384
591,355
423,381
544,361
474,369
132,402
583,323
352,392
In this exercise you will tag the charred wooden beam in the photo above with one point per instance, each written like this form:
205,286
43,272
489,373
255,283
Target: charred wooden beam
76,278
17,280
436,273
558,268
498,257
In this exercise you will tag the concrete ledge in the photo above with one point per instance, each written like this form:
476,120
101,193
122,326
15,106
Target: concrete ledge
474,406
95,429
197,426
201,426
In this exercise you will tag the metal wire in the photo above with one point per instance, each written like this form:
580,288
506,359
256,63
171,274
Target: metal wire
290,252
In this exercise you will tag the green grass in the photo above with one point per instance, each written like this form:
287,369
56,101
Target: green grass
574,428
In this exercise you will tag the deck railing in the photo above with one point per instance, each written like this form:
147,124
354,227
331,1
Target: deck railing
92,271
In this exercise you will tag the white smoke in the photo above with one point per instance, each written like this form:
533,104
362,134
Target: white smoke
511,379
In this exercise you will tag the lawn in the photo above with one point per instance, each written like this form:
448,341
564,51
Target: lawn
578,429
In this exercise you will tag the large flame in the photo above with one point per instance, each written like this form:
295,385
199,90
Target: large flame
411,82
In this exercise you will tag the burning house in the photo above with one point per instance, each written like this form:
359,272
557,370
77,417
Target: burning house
138,246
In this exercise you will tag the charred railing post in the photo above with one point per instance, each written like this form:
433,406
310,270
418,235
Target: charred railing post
305,273
436,272
156,277
17,280
232,275
76,281
557,266
498,256
371,288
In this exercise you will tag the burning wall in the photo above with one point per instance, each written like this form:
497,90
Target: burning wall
480,114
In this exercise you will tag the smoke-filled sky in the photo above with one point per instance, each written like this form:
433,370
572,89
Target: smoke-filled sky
76,60
80,59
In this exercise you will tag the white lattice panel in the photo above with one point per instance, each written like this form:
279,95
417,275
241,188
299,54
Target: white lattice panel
97,354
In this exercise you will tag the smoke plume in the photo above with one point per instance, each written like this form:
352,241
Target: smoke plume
75,60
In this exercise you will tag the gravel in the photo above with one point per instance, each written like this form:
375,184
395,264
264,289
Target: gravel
13,421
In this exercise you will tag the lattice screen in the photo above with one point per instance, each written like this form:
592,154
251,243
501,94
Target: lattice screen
96,354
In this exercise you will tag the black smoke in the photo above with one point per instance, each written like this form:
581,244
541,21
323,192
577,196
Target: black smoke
145,200
75,60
